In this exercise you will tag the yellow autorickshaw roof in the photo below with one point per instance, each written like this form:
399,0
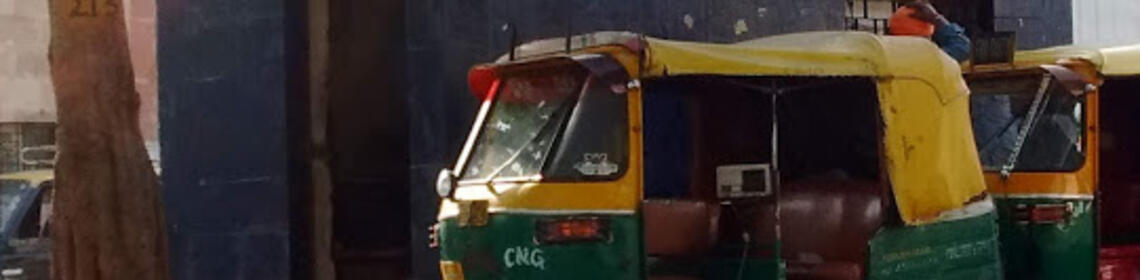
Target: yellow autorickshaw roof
811,54
929,148
824,53
1113,61
34,178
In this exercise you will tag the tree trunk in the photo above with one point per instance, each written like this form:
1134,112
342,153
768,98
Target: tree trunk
108,222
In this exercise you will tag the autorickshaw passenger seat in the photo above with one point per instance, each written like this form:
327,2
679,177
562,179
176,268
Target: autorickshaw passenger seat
679,227
827,225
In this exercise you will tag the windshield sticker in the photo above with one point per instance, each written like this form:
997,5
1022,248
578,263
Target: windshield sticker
596,164
502,126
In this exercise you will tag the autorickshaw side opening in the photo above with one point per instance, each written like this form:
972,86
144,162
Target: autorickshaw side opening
826,175
832,190
1120,161
829,130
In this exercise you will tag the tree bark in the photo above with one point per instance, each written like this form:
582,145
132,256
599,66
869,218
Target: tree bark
108,221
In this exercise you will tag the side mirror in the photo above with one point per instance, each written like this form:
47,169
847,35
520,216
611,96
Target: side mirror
445,184
1069,79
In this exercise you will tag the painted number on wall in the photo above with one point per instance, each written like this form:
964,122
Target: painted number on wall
93,8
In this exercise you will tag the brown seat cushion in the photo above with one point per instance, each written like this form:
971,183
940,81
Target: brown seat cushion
825,223
679,227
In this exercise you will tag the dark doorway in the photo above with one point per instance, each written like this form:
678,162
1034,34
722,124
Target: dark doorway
367,140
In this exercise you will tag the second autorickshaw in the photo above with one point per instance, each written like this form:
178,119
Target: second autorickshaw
1056,133
823,155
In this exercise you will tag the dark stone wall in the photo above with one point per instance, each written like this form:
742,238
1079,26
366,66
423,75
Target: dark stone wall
1038,23
446,37
974,15
232,103
234,118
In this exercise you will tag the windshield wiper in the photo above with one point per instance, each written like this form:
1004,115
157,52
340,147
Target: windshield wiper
1030,120
534,139
499,170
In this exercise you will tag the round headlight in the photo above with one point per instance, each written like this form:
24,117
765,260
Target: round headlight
445,183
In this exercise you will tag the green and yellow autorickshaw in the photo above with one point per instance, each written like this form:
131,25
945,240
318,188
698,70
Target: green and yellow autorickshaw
1056,133
825,155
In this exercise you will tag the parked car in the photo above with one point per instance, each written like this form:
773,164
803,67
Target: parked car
25,211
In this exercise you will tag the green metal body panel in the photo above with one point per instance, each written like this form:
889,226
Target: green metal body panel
1048,251
506,248
960,249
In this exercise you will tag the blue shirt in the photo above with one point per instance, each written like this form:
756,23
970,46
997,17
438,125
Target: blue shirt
952,39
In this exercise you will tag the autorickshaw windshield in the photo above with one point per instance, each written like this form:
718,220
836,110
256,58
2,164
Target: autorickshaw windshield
559,123
1027,123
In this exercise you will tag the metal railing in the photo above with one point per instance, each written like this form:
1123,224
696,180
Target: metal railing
860,15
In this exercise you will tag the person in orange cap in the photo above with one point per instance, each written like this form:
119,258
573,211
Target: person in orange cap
919,18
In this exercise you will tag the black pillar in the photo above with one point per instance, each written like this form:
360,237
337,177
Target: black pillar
232,102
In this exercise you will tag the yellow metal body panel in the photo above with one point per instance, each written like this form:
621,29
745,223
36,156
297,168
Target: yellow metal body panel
929,149
930,154
1114,61
35,177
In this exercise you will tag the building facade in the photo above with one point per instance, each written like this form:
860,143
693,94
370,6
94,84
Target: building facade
24,74
1106,22
28,100
301,138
